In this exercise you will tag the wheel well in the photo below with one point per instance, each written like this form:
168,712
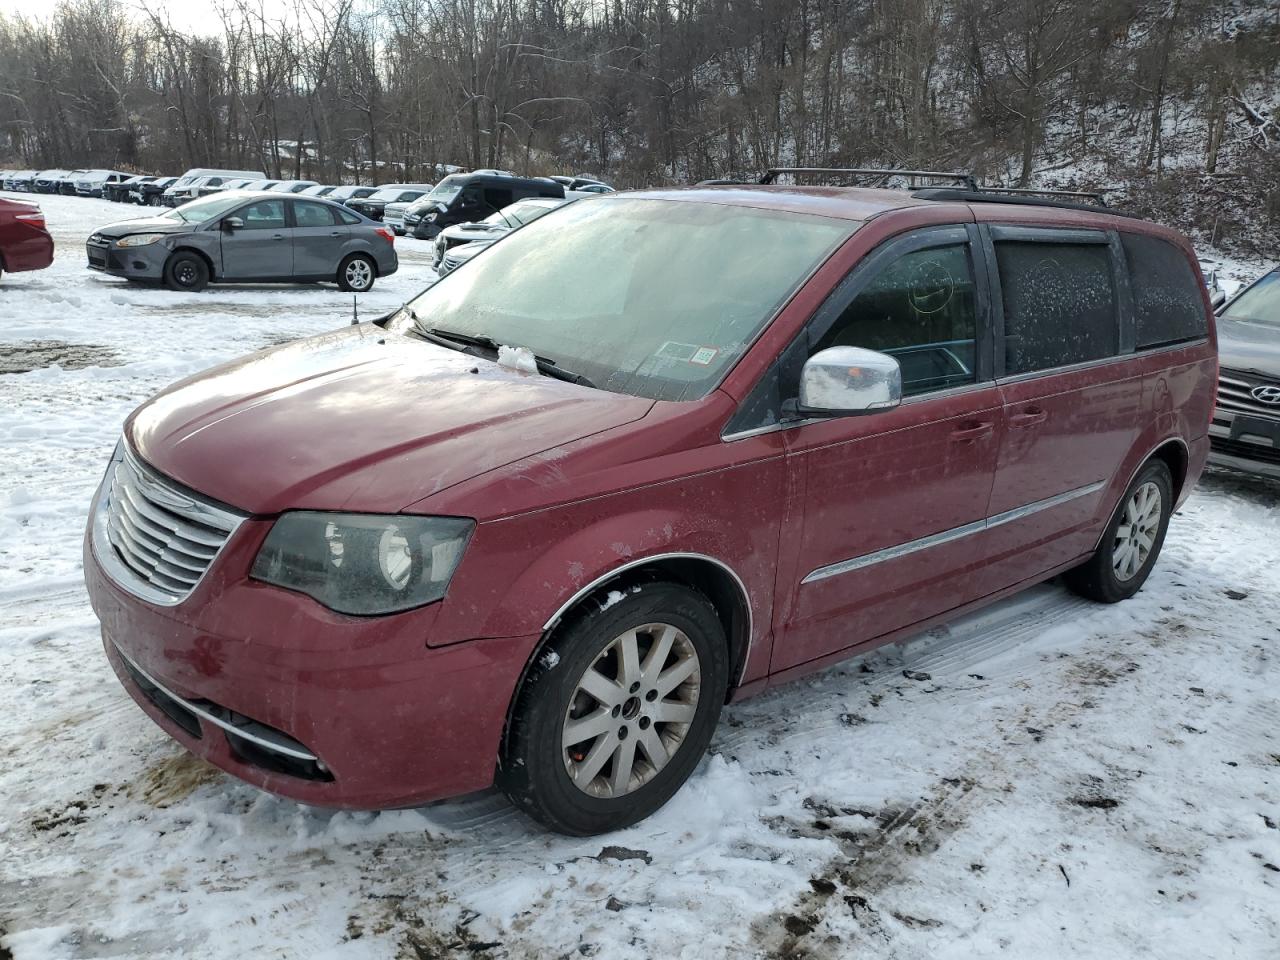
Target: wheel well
372,260
1174,454
720,586
199,253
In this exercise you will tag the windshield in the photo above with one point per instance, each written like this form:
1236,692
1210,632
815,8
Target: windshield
641,317
1259,304
447,189
206,208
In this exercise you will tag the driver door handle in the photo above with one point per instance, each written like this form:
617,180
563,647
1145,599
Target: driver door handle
277,236
973,431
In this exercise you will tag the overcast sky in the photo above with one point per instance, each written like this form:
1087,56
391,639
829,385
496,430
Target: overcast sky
193,15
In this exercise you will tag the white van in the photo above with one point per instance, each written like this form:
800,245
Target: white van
178,191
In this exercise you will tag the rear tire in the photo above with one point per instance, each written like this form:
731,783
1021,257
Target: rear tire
640,684
356,273
1132,540
186,271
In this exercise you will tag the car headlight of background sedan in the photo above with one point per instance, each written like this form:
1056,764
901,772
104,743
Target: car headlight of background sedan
363,564
139,239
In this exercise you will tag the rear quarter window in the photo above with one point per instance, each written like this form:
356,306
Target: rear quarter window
1059,304
1167,304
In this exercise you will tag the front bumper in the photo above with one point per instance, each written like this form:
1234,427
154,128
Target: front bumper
1234,445
1243,434
388,721
137,263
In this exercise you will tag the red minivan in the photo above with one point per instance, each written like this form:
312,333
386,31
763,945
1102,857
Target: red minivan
538,532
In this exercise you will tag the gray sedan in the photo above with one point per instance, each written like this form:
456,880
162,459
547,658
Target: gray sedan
255,237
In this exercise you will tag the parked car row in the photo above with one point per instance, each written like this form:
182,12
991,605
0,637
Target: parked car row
83,183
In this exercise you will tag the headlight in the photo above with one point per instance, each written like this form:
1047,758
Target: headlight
360,563
138,239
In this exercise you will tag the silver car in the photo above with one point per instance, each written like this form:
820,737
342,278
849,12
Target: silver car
241,236
1245,433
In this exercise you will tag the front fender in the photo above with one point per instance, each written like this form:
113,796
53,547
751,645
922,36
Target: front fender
532,597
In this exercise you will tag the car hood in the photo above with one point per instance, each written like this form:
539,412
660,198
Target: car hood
1250,347
359,419
474,231
123,228
468,250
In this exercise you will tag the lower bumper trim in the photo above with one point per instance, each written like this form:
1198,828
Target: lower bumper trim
239,727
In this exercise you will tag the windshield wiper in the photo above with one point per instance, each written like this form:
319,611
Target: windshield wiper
471,340
456,340
551,369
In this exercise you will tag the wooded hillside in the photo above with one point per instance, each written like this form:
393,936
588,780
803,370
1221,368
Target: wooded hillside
1176,101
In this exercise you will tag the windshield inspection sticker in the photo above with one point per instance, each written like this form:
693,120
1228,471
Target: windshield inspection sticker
704,355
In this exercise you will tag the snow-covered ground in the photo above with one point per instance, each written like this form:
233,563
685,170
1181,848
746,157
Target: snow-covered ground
1052,779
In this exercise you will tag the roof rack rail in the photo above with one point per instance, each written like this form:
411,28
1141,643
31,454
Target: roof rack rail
964,179
1004,195
1092,196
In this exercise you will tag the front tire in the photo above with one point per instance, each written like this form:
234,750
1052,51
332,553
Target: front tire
617,710
1132,541
356,273
186,271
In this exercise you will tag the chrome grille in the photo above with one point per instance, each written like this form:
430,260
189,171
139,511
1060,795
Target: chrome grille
1235,394
161,539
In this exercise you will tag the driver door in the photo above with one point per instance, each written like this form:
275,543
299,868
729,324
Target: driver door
263,247
892,504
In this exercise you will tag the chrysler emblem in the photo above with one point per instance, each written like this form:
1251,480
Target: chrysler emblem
1266,394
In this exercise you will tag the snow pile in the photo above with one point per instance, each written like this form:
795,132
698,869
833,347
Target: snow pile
517,358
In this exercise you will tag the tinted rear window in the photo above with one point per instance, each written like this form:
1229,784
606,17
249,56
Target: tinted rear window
1059,304
1167,303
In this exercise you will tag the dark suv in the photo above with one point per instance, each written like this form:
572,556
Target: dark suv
1245,433
470,197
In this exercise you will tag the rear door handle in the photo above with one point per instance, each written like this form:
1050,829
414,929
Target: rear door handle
336,233
277,236
1028,417
974,431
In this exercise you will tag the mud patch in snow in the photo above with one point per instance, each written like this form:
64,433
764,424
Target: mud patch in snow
23,357
174,779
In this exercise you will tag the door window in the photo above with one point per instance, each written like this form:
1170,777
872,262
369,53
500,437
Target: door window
497,197
311,214
1167,304
1059,304
922,310
263,215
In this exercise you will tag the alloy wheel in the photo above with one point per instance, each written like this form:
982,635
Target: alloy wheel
359,274
631,710
1136,534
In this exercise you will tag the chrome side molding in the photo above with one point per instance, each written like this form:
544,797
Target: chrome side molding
946,536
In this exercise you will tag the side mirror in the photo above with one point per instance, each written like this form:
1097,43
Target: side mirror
842,381
232,223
